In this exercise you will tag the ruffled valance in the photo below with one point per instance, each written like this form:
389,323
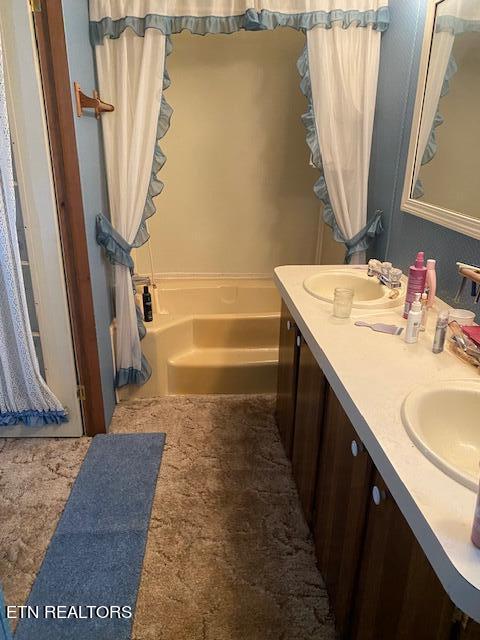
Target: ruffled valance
251,20
110,19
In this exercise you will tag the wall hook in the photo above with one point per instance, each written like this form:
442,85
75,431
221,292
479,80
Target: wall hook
85,102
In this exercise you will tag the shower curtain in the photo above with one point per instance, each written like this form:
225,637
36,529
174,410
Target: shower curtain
24,395
339,69
454,17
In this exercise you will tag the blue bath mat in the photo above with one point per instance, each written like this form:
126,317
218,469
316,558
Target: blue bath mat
89,579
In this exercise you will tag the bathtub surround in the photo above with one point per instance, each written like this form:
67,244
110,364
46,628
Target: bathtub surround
24,396
128,49
211,335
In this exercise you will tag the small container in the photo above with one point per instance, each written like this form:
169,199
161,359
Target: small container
440,332
476,524
342,302
462,316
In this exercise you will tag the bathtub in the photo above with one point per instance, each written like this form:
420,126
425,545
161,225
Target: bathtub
211,335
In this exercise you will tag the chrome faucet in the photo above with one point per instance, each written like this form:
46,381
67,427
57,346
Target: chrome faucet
386,273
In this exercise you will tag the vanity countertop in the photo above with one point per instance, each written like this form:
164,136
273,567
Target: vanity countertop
372,373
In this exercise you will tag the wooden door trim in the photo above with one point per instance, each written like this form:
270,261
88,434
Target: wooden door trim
53,61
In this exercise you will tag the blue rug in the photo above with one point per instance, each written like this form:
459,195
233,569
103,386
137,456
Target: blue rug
89,578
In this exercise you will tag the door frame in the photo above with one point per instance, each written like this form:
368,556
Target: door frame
53,62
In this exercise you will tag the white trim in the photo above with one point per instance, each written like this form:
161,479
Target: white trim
454,220
32,159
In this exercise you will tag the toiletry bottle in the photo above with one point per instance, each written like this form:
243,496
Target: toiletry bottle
424,301
147,305
431,282
476,524
414,320
440,332
416,281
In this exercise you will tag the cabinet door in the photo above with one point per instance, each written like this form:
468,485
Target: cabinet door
308,425
343,489
287,378
398,595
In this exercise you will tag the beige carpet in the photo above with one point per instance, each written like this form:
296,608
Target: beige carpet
228,557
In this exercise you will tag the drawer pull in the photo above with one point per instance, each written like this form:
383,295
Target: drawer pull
356,447
378,496
289,325
299,341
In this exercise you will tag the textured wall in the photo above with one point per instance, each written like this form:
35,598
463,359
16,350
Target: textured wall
406,234
92,174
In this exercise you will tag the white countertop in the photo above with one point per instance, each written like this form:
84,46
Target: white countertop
372,373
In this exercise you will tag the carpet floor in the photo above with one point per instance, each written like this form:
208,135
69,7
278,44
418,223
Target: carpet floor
228,557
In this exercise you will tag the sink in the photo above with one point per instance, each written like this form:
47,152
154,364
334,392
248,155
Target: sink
443,421
368,292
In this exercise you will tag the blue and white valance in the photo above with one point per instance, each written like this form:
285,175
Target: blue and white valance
211,19
339,78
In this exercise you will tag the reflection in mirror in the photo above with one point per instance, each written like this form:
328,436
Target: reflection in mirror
446,170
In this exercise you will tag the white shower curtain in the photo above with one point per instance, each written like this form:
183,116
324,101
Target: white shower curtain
24,396
453,18
129,37
130,72
442,46
343,73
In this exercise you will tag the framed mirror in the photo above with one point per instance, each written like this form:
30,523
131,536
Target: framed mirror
442,181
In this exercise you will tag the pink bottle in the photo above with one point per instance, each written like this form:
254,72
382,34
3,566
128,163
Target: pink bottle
416,282
476,524
431,282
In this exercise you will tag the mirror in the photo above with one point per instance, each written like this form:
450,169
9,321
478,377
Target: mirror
442,181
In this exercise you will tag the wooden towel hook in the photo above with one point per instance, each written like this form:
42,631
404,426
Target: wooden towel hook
85,102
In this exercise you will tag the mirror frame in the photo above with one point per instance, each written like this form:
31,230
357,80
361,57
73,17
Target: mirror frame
454,220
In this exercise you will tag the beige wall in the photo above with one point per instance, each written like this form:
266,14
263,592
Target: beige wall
238,186
450,179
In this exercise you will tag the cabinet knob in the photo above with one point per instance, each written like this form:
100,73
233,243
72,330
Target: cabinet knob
289,325
378,495
299,341
356,447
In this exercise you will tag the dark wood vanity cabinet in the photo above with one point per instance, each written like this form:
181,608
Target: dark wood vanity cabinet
398,596
343,489
289,350
380,584
308,428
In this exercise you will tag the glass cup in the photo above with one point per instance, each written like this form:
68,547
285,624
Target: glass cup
342,302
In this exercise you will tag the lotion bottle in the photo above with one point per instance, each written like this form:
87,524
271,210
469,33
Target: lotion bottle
431,282
414,320
416,281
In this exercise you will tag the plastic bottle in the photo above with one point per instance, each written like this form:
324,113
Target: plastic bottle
416,281
431,282
424,301
414,320
147,305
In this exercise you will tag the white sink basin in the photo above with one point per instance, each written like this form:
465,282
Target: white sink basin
368,292
443,420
